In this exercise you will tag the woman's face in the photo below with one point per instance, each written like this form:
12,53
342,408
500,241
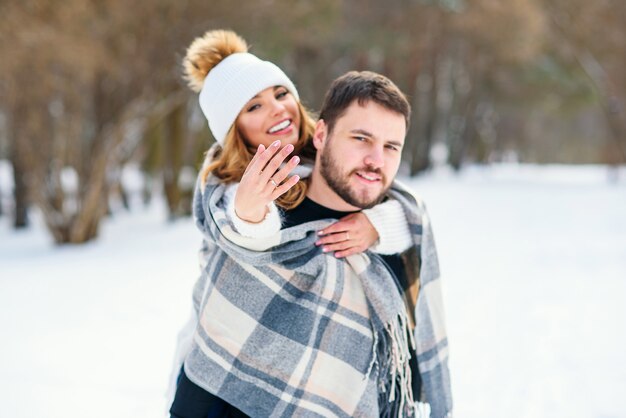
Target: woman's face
270,115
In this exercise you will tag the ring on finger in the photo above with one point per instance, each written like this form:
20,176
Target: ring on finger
274,183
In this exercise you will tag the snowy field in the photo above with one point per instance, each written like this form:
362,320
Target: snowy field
534,265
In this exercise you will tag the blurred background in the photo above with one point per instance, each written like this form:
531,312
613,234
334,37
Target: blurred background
517,142
89,88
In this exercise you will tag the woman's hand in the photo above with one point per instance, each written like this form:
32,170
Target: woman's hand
350,235
263,181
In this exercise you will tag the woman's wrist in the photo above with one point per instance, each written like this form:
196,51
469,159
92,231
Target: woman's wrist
253,217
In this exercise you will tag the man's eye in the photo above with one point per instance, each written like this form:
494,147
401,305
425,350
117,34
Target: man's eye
392,147
360,138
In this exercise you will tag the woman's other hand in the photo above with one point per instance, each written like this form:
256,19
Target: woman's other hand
264,181
350,235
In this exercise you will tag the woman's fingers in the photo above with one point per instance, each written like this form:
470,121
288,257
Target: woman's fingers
282,189
337,237
352,234
343,248
269,170
253,162
341,244
264,175
267,160
338,246
286,169
346,224
264,165
261,158
275,182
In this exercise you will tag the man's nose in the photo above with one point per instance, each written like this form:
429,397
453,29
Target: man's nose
375,157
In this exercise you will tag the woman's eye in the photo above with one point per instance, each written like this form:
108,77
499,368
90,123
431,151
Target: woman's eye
253,107
281,94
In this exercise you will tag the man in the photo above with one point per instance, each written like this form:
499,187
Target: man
292,331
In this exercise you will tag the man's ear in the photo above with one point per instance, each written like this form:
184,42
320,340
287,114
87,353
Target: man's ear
319,136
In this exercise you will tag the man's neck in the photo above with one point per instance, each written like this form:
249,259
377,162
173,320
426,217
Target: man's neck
320,192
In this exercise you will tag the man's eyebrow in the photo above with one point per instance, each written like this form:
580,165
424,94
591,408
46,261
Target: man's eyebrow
396,143
363,132
371,135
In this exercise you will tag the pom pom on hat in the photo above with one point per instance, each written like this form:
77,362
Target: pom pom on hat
206,52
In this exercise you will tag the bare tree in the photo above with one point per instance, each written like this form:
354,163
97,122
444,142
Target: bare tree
593,35
81,111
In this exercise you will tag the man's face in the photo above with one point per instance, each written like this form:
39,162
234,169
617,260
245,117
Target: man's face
361,156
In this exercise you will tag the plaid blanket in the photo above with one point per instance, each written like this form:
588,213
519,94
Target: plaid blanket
286,330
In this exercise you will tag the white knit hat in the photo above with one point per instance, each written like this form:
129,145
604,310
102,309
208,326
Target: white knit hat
232,83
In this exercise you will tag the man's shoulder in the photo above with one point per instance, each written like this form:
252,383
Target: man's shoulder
410,196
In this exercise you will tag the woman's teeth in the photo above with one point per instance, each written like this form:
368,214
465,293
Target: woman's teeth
280,126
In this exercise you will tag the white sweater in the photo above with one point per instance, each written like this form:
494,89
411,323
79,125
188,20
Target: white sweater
387,218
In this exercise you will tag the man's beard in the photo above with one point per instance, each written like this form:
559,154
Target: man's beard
340,184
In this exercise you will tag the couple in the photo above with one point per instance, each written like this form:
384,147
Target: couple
296,314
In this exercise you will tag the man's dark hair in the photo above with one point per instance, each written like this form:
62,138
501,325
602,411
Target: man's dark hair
362,86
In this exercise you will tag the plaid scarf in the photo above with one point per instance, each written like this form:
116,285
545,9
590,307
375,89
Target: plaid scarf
286,330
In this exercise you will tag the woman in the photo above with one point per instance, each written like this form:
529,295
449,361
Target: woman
255,115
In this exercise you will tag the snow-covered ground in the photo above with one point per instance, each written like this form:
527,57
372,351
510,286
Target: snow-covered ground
534,263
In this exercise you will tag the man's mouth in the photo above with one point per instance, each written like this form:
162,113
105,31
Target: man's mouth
280,126
369,176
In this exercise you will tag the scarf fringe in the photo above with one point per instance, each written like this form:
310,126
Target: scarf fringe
391,354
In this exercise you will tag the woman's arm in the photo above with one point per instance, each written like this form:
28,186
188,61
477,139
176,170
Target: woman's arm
382,229
391,224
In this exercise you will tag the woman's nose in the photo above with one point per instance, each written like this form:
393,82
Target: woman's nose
277,107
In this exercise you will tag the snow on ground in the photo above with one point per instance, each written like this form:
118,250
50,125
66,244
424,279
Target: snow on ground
534,263
90,331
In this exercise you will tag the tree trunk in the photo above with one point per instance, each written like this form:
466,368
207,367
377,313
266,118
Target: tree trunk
461,123
422,129
174,146
20,171
20,191
617,127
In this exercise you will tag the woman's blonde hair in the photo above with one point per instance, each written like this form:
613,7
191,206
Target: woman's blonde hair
230,162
